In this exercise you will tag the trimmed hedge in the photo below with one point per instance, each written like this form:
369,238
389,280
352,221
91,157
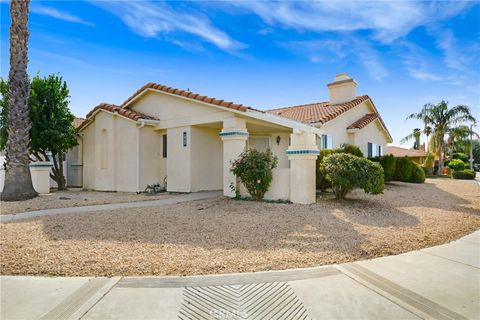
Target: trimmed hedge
321,180
418,174
322,183
403,169
464,174
347,172
388,164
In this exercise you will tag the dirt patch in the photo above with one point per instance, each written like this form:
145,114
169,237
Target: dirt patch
222,236
74,198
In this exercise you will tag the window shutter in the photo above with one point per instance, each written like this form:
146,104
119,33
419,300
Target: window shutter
369,148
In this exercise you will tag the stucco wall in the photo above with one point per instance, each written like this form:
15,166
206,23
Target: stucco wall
338,129
125,154
150,157
165,107
179,160
114,169
88,142
371,133
207,159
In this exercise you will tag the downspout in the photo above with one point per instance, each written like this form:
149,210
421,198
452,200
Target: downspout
138,154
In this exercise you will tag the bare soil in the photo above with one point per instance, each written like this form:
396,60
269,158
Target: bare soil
74,198
221,236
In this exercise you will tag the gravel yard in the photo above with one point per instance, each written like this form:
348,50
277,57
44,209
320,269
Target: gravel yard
222,236
74,198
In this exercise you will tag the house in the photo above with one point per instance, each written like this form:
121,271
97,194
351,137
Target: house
417,155
189,141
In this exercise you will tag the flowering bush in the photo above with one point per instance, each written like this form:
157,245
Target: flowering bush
254,168
347,172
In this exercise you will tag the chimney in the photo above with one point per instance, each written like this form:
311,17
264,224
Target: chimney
342,89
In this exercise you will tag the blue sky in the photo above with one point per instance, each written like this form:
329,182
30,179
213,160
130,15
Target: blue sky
263,54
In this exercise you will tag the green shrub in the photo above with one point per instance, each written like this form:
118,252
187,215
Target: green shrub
446,162
351,149
460,156
347,172
418,174
254,168
403,169
456,165
388,164
464,174
321,180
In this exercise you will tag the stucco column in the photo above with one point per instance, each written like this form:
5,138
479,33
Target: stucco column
234,136
302,153
40,172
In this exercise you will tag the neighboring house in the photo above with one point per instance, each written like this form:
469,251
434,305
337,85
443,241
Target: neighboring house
189,140
416,155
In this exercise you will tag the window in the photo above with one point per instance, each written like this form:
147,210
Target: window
259,143
374,150
327,141
164,145
369,149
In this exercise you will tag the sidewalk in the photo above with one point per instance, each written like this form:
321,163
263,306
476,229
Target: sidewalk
100,207
441,282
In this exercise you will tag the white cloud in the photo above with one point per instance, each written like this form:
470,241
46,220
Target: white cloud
457,56
59,14
340,51
149,19
389,20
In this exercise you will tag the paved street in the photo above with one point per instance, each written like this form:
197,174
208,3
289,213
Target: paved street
442,282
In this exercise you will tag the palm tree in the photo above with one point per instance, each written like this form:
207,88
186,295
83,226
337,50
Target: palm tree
442,119
414,135
18,182
461,136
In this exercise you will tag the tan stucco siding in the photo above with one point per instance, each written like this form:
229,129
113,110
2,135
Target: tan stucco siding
179,160
371,133
125,155
207,159
338,127
88,142
165,107
150,157
109,153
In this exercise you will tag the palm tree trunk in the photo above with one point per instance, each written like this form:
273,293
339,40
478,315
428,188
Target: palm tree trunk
18,182
440,156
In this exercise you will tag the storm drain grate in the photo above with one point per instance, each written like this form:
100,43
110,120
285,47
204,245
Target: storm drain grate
272,300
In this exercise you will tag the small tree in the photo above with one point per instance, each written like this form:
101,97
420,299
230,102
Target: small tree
456,165
52,128
254,169
347,172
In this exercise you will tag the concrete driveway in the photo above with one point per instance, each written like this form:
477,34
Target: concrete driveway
441,282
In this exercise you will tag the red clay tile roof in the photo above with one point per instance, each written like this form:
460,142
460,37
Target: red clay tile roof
363,121
77,122
402,152
186,94
318,112
127,113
